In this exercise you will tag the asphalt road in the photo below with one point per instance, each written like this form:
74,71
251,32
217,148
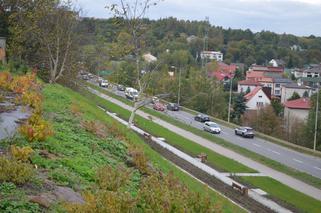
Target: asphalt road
299,161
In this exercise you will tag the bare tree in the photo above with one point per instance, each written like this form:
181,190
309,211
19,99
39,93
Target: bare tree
133,14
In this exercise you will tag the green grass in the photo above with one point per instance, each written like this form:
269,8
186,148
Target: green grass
285,193
214,159
58,96
309,179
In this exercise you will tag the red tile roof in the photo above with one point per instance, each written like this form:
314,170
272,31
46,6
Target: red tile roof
261,68
252,93
301,103
220,76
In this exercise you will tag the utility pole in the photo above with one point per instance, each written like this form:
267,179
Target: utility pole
230,100
316,121
205,45
179,86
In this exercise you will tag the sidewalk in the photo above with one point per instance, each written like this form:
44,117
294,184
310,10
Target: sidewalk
281,177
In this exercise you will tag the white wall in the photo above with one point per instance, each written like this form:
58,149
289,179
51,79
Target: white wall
286,93
259,97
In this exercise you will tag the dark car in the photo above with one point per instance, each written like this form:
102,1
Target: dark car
159,106
120,87
246,132
202,118
172,107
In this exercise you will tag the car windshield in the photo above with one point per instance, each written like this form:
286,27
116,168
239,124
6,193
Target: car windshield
213,125
248,129
134,93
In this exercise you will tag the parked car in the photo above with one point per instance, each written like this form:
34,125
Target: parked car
245,131
155,100
212,127
159,106
131,93
172,107
120,87
103,83
202,118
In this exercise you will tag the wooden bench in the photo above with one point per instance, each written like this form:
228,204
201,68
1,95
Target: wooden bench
243,190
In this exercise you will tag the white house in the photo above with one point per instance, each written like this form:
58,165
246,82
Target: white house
296,110
288,90
313,71
256,99
277,63
212,55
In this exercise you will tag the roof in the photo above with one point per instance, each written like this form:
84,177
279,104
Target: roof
220,76
249,82
296,86
149,58
310,79
252,93
301,103
225,68
261,68
282,80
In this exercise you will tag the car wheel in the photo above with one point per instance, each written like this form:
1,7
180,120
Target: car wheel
236,132
243,134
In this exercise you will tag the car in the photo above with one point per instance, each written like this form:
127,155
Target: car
120,87
173,107
85,77
244,131
159,106
131,93
212,127
202,118
155,100
103,83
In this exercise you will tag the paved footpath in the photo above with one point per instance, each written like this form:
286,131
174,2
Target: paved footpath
279,176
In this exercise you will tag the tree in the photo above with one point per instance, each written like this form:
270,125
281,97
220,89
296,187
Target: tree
294,96
239,107
133,14
248,90
277,106
48,28
311,123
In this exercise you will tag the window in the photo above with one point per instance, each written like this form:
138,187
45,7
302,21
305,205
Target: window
260,96
259,104
277,85
277,92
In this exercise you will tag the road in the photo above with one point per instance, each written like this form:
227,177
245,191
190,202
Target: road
291,158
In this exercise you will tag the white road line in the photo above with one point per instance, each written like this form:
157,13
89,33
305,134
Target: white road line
275,152
296,160
317,168
256,145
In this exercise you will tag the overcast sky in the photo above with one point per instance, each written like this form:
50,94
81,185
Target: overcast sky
299,17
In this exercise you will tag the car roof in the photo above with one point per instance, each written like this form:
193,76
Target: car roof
210,122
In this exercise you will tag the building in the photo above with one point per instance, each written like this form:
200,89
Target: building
149,58
296,110
288,90
257,99
3,49
277,85
311,71
247,85
267,69
277,63
212,55
223,71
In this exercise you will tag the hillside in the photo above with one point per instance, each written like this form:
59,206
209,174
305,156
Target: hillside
91,160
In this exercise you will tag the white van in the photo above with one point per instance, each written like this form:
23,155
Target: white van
131,93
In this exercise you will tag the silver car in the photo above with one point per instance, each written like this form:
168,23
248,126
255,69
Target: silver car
212,127
244,131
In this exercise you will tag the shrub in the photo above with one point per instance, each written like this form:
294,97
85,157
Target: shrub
36,129
21,154
111,179
5,80
95,127
14,171
140,160
75,109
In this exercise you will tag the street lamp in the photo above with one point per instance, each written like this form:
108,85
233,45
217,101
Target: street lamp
179,83
316,121
230,100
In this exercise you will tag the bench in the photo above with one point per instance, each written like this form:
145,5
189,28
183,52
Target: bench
243,190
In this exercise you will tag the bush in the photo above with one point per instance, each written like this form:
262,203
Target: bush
36,129
14,171
5,80
111,179
140,160
21,154
95,127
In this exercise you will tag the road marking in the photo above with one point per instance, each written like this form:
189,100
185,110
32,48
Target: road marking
296,160
275,152
257,145
317,168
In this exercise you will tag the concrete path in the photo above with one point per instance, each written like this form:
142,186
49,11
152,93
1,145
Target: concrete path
279,176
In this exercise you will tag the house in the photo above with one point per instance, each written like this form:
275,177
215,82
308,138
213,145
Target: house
277,85
310,82
277,63
3,49
311,71
223,71
266,69
149,58
257,99
212,55
296,47
245,85
296,110
288,90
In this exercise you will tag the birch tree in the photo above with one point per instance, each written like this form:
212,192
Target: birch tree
133,14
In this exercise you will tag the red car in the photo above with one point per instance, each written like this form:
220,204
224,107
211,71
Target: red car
159,106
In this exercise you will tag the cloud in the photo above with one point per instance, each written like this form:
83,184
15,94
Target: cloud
300,17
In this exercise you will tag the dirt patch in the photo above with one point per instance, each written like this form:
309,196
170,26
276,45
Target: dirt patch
244,201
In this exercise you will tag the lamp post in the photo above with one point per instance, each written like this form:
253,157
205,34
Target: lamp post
316,121
230,100
179,83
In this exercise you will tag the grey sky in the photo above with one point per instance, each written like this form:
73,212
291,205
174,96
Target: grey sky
299,17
